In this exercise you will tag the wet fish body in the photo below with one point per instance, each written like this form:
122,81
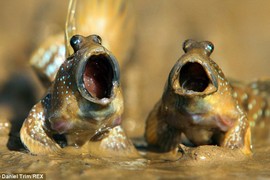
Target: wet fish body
83,106
199,106
254,98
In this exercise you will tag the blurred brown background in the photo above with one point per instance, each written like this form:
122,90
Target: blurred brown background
240,31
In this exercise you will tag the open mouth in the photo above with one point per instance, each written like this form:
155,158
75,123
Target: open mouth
98,76
193,77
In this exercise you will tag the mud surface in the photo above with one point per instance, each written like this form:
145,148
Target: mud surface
203,163
239,31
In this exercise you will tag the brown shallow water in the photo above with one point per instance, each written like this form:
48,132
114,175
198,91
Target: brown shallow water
239,31
205,162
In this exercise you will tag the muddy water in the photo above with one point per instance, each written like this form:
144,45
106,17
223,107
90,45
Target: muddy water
239,31
203,163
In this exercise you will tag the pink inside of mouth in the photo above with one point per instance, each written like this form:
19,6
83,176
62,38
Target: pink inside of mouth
193,77
98,76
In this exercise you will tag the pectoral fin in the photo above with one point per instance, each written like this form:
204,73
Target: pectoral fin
33,135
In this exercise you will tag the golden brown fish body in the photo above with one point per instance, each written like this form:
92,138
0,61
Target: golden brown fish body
83,106
198,106
254,98
113,20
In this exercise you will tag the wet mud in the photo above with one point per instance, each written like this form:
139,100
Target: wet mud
203,162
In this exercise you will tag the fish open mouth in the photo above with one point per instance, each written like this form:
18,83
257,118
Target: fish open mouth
194,78
98,76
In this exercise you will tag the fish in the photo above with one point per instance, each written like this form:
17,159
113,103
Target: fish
200,106
82,108
254,99
113,20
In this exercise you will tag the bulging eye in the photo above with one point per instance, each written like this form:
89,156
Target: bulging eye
76,42
188,44
206,46
97,39
209,47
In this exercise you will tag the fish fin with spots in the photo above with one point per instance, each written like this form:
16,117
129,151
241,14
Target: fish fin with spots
114,144
239,136
34,136
47,59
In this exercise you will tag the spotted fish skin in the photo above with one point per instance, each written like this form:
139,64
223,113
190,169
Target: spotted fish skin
113,20
84,104
47,59
197,106
254,98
